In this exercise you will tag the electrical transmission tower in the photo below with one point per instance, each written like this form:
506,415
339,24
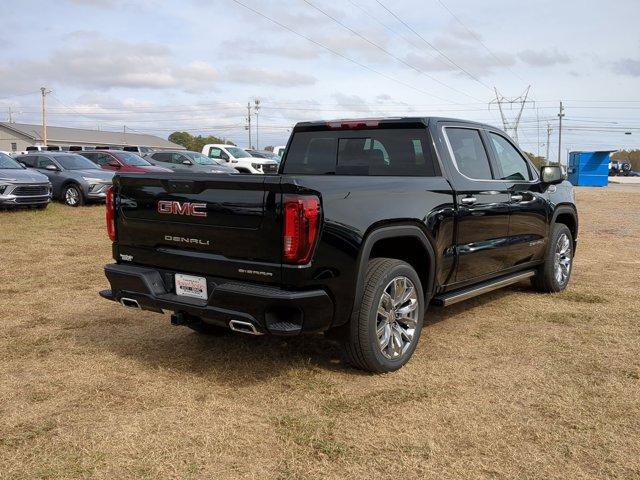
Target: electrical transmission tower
511,126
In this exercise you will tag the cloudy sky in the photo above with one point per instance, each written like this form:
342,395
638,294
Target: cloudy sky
159,66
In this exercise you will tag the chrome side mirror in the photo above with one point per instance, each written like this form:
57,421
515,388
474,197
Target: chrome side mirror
551,174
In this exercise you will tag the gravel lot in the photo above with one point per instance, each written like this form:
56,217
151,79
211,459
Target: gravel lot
514,384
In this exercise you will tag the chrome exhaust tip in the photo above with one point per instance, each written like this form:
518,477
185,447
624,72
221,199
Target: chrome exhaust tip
130,303
244,327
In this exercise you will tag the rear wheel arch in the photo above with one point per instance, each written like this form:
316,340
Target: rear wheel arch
415,249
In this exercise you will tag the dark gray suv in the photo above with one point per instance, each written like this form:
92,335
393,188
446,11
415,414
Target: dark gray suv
75,180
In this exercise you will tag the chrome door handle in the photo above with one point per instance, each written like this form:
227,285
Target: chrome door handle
469,200
516,198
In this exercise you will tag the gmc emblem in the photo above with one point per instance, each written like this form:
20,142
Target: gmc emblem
185,208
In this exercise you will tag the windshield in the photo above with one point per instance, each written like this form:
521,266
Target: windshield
6,162
201,159
75,162
237,152
133,159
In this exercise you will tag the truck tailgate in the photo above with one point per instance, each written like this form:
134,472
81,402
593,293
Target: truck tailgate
222,225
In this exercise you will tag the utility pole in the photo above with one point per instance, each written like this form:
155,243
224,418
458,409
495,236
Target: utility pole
538,128
124,134
256,107
548,140
44,92
560,115
10,116
248,126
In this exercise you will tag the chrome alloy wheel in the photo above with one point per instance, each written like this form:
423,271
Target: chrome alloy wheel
72,196
397,317
562,260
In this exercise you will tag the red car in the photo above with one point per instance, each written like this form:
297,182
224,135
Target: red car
121,161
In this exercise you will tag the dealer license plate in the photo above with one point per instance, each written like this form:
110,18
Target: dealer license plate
190,286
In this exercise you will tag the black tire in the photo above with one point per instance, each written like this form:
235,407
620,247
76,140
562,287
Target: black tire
72,195
548,279
360,341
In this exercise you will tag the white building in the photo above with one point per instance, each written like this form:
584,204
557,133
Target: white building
16,137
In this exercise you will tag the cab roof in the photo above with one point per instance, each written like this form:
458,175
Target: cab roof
393,122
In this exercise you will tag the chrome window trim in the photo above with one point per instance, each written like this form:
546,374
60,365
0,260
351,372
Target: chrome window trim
455,163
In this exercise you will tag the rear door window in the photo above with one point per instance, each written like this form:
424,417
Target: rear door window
469,154
29,161
162,157
390,152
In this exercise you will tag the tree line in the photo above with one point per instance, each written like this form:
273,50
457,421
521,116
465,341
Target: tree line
195,144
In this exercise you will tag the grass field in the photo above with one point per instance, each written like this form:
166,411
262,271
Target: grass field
514,384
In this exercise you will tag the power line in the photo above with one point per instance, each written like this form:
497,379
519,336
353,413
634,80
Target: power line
385,51
444,55
477,38
315,42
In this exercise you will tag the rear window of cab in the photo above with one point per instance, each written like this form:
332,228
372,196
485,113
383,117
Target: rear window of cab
366,152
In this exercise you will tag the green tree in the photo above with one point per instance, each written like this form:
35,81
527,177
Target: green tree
195,144
181,138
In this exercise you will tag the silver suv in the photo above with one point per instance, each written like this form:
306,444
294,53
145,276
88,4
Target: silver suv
19,186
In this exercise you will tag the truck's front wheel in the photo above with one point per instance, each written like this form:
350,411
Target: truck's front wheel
384,332
554,274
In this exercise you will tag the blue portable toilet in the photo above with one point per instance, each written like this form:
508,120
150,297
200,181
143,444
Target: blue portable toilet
589,169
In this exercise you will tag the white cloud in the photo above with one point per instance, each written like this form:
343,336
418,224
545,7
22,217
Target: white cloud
263,76
627,66
93,62
543,58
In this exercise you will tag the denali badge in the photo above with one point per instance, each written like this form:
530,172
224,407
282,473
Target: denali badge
184,208
171,238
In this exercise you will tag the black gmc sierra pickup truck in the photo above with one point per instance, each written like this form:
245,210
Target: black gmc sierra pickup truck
366,223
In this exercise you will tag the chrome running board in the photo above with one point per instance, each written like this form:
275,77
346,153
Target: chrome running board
449,298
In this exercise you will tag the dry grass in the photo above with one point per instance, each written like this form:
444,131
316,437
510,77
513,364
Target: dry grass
511,385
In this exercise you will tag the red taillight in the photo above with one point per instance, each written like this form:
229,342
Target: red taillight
301,223
110,215
354,124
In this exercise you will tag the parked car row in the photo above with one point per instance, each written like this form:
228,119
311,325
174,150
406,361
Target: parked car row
139,149
239,159
82,176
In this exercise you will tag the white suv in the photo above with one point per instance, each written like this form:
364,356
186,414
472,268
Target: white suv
239,159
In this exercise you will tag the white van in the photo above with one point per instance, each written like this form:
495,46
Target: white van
239,159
